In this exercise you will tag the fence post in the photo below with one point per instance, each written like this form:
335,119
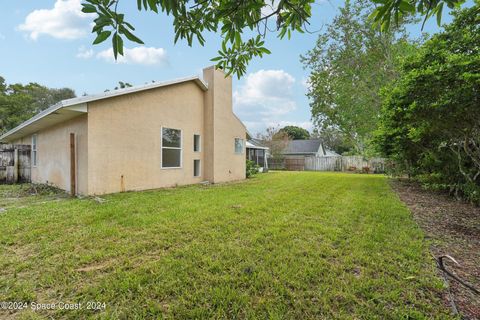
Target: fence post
72,165
15,165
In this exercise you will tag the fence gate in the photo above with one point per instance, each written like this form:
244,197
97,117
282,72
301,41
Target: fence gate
14,163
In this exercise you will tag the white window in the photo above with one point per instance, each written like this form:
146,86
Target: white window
34,150
238,145
171,148
196,168
196,143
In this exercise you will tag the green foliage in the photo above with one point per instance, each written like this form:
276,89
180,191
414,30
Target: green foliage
349,64
237,22
191,20
430,120
335,140
286,245
252,169
295,133
388,11
20,102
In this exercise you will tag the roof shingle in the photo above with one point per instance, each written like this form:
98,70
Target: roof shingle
302,146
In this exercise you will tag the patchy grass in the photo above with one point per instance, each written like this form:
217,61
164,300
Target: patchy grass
282,245
14,196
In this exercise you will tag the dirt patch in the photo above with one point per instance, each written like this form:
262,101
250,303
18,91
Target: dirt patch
95,267
453,228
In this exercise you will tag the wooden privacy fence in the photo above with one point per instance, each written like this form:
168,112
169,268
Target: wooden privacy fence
291,163
276,163
323,163
295,164
14,163
345,163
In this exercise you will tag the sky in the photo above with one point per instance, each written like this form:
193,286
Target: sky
49,42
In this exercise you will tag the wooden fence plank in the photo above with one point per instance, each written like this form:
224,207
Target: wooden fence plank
14,163
345,163
72,165
276,164
295,164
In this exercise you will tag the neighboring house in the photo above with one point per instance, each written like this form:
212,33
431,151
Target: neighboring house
305,148
257,153
157,135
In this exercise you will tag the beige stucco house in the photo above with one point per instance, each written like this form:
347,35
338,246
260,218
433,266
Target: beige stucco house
158,135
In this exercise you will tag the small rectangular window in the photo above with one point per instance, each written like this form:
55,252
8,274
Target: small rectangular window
34,150
196,168
171,148
196,143
238,145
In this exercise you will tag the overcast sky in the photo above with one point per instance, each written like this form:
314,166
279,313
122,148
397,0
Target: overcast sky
49,42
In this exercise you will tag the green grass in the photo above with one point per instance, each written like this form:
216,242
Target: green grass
283,245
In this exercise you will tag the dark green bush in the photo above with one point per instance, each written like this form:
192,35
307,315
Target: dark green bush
252,168
430,122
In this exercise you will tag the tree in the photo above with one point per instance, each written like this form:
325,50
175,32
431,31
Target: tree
349,64
430,121
335,140
275,140
234,19
20,102
14,109
42,96
295,133
394,10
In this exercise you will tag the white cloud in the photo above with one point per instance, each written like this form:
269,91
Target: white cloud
137,55
84,53
265,93
64,21
267,99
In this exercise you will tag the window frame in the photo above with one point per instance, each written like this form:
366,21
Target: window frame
235,145
173,148
199,142
34,150
199,168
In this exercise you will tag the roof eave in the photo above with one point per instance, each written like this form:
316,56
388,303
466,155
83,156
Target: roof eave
82,100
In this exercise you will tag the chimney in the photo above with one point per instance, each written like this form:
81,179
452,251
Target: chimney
218,110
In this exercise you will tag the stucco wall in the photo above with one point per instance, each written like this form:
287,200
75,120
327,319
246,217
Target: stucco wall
119,142
53,154
124,137
222,127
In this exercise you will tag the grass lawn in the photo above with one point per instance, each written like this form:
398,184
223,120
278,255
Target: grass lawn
22,195
295,245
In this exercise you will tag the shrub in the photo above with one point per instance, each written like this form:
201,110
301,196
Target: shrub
468,191
252,168
430,124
